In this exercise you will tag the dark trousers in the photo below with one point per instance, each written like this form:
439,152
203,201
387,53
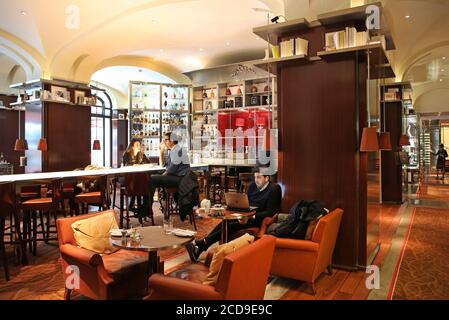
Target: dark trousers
233,227
160,181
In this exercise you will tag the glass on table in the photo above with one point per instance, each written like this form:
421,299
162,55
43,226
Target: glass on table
168,225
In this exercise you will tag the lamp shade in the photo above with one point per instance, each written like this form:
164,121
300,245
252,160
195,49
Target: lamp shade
97,145
384,141
240,122
369,142
19,145
42,145
404,140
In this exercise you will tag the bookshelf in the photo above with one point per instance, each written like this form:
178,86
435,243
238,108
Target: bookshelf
155,109
233,105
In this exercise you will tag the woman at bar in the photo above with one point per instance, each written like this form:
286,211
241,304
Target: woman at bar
134,155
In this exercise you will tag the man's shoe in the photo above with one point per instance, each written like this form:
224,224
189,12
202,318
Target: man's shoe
194,252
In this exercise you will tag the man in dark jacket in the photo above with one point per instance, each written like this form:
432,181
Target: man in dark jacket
177,167
263,194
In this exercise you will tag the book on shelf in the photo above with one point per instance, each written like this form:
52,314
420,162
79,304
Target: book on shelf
301,46
347,38
294,46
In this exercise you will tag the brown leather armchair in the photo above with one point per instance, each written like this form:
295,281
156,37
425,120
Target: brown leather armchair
120,275
243,276
306,260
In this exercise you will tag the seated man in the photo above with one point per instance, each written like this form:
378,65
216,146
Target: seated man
177,166
263,194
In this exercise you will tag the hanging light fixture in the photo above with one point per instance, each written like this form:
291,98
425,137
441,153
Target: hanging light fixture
42,146
97,145
21,144
370,142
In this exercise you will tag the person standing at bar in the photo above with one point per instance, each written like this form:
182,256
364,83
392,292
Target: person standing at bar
441,161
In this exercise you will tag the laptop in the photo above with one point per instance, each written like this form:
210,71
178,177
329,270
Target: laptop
238,202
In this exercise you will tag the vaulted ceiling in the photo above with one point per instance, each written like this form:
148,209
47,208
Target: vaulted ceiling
42,38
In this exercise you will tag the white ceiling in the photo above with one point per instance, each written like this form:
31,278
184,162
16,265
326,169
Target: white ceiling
174,36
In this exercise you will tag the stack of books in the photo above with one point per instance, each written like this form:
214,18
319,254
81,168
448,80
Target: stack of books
347,38
294,46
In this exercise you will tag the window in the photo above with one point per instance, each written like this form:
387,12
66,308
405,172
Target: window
101,129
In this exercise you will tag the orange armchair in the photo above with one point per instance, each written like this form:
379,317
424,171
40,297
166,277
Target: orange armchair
120,275
306,260
243,276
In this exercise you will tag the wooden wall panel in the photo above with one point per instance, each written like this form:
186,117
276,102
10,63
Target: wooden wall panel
68,130
391,171
321,117
9,132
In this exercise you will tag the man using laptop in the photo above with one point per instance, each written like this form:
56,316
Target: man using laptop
263,194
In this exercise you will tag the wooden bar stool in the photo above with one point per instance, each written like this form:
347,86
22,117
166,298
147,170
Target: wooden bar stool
8,206
93,198
50,206
137,185
171,205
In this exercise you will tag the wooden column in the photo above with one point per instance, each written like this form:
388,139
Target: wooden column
323,111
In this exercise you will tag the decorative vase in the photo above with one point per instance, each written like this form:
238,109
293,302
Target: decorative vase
239,91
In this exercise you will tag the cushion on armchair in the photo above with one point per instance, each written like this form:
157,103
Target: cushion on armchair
93,233
221,253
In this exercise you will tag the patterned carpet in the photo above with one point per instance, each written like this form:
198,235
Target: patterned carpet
42,278
424,271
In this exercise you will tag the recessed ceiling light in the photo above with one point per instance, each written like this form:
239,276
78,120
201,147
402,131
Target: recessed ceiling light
201,49
444,58
407,17
441,80
153,21
24,13
228,44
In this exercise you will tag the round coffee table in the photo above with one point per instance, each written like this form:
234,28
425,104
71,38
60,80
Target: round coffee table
154,239
230,215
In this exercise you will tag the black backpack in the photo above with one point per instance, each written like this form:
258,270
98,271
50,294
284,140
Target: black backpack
300,215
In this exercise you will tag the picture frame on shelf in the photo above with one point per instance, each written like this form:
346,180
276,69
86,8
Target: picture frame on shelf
60,93
121,116
79,97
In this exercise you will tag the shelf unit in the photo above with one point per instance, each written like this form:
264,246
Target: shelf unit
49,105
245,104
155,109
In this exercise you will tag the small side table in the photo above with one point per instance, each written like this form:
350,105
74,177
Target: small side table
154,239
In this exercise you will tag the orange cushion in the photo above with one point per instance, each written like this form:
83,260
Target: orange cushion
221,253
93,233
